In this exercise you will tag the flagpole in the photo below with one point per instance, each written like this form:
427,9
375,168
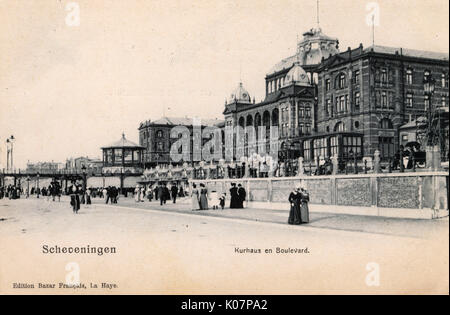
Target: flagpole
373,30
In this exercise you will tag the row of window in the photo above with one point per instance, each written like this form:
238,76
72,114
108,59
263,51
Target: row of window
410,101
340,81
303,112
276,84
341,105
426,76
384,99
329,146
146,134
117,156
382,75
304,129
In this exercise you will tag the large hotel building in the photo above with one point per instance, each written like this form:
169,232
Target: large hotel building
325,102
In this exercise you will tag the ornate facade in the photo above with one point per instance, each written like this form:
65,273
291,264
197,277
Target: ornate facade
324,102
155,137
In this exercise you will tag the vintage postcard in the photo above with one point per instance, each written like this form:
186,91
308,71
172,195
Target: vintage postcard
224,147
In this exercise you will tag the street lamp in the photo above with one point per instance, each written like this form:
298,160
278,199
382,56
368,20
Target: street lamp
28,186
428,86
433,132
37,188
83,170
9,152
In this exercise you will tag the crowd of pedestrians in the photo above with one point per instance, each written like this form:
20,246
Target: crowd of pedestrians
201,198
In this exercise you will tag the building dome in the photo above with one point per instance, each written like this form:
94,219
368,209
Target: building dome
314,46
297,75
239,95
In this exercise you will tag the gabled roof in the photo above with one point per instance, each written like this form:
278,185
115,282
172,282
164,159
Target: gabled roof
408,52
414,123
123,143
284,64
182,121
352,54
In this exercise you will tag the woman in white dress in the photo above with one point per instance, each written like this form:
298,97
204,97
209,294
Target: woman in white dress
195,198
137,193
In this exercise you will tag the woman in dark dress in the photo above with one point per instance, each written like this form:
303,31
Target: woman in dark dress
74,198
295,201
203,197
304,209
234,196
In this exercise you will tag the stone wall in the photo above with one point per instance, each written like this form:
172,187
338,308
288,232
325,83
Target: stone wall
415,191
353,192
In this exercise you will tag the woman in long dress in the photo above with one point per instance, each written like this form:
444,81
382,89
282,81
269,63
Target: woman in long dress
195,198
137,193
203,197
295,201
74,198
304,209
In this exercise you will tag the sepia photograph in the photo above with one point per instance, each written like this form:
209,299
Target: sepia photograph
203,149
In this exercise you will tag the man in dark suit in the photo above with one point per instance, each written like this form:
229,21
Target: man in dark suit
108,194
161,195
174,191
234,201
114,194
166,193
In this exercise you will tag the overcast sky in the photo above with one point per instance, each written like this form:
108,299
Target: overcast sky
67,90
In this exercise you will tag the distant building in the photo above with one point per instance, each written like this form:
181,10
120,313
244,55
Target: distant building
44,167
154,136
325,102
92,164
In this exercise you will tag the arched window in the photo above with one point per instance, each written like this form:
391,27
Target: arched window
241,122
249,120
444,80
275,121
339,127
257,127
159,134
409,76
386,123
426,75
315,78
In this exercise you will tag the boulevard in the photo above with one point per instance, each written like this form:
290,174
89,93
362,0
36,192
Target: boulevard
170,250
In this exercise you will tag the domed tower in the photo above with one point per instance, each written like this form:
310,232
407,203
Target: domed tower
239,95
238,101
315,46
310,50
296,76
